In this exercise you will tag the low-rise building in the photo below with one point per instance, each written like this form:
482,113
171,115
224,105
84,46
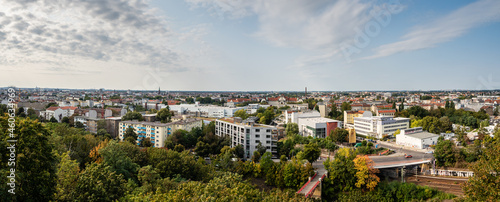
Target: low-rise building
248,134
378,126
416,138
293,116
386,112
57,112
317,127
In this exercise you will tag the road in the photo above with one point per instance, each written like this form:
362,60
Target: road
399,155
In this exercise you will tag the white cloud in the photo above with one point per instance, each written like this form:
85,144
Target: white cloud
59,32
444,29
319,26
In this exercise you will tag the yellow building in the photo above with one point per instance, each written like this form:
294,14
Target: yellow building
349,117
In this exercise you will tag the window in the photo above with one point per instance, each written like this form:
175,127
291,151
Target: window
257,130
268,136
257,136
268,130
257,141
248,130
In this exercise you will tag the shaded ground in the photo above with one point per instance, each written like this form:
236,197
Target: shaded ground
260,184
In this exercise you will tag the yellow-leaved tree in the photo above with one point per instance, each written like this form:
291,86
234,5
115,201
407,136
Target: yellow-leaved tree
366,178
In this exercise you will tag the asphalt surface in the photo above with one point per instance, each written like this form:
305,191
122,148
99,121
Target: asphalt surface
399,155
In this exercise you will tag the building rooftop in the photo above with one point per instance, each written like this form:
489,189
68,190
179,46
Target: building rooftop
422,135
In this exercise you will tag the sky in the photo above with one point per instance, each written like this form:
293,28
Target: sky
251,45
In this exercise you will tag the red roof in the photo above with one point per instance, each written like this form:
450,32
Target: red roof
272,99
387,111
293,99
239,100
64,108
172,102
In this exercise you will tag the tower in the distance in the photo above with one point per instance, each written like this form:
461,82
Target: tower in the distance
159,91
306,91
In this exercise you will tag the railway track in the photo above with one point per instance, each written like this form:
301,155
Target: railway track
447,185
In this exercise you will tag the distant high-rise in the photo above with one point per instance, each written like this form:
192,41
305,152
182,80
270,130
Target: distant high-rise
159,91
306,91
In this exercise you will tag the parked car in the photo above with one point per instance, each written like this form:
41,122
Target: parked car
408,156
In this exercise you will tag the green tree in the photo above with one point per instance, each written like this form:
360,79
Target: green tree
164,115
242,113
345,107
65,120
484,185
53,120
130,135
179,148
98,182
35,173
256,156
67,178
445,152
311,152
292,128
418,111
146,142
261,148
118,160
341,174
132,116
339,135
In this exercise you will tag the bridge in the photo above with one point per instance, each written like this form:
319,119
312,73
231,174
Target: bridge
398,164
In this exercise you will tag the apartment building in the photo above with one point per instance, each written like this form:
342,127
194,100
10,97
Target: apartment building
156,131
377,126
248,134
386,112
416,138
57,112
350,115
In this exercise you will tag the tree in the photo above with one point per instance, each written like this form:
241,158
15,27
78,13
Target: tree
311,152
65,120
53,120
418,111
79,125
239,151
130,132
261,148
341,174
35,173
339,135
256,156
118,160
366,174
292,128
103,133
401,106
67,178
242,113
397,132
132,116
484,185
495,113
445,152
334,112
345,107
164,115
146,142
99,183
179,148
394,105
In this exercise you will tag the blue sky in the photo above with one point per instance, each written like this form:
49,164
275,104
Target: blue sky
251,45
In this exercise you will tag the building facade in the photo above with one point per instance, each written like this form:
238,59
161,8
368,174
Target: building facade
378,126
248,134
416,138
317,127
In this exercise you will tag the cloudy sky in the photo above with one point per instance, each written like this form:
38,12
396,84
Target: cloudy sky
251,44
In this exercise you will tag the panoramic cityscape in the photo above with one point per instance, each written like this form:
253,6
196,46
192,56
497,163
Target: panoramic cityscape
216,100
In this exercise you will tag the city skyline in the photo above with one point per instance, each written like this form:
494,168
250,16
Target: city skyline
196,45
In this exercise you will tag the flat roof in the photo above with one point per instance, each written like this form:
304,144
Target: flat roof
422,135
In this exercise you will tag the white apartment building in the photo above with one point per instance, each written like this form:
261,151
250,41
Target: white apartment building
293,117
248,134
377,126
205,110
317,127
416,138
156,131
57,112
